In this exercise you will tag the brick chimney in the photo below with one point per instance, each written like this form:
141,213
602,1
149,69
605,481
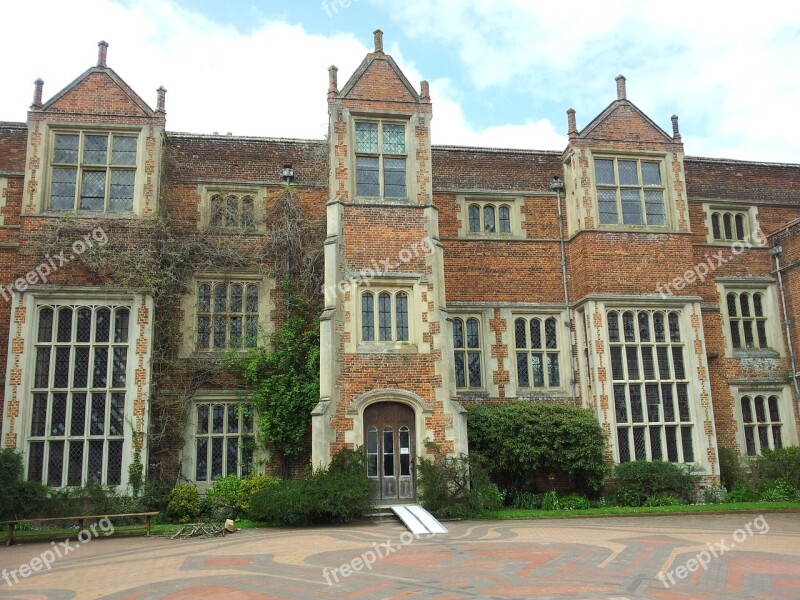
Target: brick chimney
621,93
102,53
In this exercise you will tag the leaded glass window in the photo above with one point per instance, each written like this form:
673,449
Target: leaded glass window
630,191
653,403
224,440
93,171
227,315
380,159
79,400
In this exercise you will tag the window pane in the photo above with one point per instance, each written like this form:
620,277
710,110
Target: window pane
367,137
121,190
488,218
93,190
651,173
65,149
607,205
367,176
123,152
474,218
394,177
385,317
62,189
401,302
627,172
631,207
604,171
505,220
394,139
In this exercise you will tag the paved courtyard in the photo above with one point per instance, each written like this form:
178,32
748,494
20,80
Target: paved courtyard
697,556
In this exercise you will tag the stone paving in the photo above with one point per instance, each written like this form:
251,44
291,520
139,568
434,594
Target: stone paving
696,556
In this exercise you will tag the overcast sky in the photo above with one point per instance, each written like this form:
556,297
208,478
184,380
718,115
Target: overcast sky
502,72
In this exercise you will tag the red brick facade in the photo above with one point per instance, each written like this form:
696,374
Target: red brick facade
470,238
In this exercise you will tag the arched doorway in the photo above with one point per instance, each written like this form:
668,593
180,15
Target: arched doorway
389,440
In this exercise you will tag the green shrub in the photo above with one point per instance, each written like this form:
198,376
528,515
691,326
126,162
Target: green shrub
639,480
731,467
526,501
714,494
525,440
184,503
18,498
455,486
550,501
740,492
776,464
662,501
779,490
574,502
341,492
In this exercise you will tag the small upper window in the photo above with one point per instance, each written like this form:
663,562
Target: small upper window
489,217
630,192
232,211
381,159
93,171
729,226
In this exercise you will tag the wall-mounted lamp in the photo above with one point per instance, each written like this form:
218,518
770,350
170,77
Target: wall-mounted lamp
287,173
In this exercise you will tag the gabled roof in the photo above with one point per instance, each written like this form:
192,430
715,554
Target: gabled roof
100,72
597,125
368,65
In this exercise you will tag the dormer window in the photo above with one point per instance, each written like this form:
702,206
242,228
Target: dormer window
381,159
630,191
93,171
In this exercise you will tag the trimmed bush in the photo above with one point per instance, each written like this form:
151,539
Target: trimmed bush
741,492
455,486
640,480
184,503
342,492
523,440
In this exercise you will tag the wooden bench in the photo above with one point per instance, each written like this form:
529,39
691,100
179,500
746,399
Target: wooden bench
79,520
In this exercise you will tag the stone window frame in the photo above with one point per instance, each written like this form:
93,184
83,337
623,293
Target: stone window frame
465,350
381,155
189,306
83,130
751,235
679,423
514,205
766,288
786,411
639,158
561,339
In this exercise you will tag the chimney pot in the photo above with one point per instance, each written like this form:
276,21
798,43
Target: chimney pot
102,53
378,40
676,133
162,93
572,129
333,84
425,90
621,92
37,93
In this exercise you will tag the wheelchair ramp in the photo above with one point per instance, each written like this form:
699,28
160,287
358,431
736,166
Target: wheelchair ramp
417,519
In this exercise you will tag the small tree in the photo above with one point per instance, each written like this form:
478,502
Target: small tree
523,440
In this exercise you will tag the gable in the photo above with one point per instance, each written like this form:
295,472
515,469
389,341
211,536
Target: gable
99,91
623,122
379,79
